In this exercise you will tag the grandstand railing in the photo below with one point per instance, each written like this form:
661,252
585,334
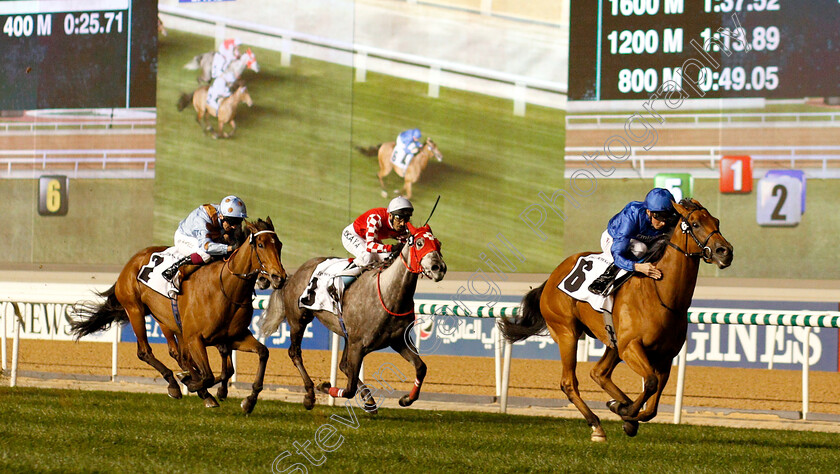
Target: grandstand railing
518,88
25,163
757,119
813,160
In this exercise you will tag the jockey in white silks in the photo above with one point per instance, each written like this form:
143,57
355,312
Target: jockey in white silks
408,144
228,51
219,89
200,236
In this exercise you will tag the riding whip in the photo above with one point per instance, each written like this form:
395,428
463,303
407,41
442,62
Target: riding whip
433,210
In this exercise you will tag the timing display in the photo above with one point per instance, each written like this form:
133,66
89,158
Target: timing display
628,49
78,54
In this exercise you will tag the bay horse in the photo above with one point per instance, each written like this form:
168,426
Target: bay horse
204,63
215,305
649,316
378,308
225,114
410,174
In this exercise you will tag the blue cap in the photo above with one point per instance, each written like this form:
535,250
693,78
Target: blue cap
659,199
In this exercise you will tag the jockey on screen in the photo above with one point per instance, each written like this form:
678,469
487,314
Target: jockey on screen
629,231
363,238
408,144
219,89
202,234
228,51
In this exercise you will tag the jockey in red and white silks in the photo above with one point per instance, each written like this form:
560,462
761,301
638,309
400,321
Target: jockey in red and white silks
228,51
363,238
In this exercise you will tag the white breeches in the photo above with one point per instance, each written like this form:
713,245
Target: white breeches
357,246
187,245
637,248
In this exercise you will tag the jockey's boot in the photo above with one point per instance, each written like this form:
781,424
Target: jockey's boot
600,285
350,274
170,272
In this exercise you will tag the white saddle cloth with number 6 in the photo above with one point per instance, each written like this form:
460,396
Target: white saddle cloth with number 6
586,270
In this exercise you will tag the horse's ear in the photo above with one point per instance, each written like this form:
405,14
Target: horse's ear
410,227
269,223
696,203
680,209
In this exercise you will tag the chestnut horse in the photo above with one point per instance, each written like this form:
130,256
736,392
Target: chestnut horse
410,174
225,114
378,308
215,307
649,316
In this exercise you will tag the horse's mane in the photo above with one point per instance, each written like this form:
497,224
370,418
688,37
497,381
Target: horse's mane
658,246
240,234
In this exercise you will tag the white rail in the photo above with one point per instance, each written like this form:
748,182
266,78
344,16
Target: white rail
26,163
140,125
756,119
521,89
814,160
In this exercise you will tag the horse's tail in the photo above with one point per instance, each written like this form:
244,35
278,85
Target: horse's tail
529,323
274,314
369,151
194,63
184,101
92,317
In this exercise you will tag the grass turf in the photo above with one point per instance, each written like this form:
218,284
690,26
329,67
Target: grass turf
73,431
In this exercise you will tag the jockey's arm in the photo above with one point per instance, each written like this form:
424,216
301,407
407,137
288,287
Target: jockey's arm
373,245
620,248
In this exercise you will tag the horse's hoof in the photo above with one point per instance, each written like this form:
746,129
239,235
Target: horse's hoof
372,409
309,403
598,435
175,392
383,193
631,428
248,405
406,401
211,402
323,387
614,406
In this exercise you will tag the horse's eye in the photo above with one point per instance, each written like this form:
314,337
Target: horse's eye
420,242
260,246
695,225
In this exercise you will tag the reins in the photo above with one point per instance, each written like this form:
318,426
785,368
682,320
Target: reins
242,276
705,251
379,287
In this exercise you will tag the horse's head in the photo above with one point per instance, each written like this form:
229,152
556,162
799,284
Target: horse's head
424,253
243,95
266,248
434,149
251,61
696,221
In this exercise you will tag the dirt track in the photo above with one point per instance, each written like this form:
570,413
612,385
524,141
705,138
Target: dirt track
740,389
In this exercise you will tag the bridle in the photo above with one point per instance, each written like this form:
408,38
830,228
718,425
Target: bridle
244,276
415,267
705,251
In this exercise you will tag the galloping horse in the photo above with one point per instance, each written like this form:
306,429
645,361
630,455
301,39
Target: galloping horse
225,114
410,174
649,316
377,310
215,305
204,63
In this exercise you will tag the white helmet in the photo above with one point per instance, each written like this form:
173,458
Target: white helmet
400,206
232,206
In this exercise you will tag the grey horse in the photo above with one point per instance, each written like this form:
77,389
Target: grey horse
378,309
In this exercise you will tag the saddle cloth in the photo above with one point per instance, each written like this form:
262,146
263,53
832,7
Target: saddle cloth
150,274
586,270
325,288
400,158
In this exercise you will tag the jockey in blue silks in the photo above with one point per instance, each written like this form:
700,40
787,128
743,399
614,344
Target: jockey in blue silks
408,144
628,233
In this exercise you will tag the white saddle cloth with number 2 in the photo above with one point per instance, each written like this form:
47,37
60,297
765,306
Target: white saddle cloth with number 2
586,270
151,273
